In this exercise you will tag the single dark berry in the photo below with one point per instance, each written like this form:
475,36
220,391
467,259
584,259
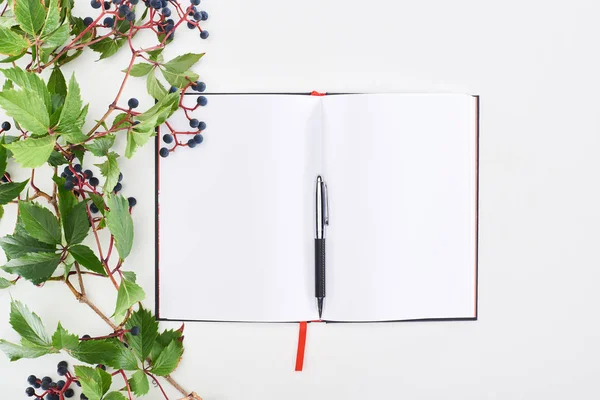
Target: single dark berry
94,181
86,337
164,3
29,391
191,144
164,152
69,185
62,371
198,138
77,167
47,379
69,393
88,174
194,123
60,384
83,396
156,4
32,379
132,201
197,15
203,34
87,21
68,171
5,179
109,22
135,330
202,101
166,12
191,25
195,2
168,28
6,126
199,86
107,5
120,177
101,366
93,208
204,15
133,102
95,4
118,187
202,125
167,138
45,385
173,89
130,16
123,10
62,364
133,2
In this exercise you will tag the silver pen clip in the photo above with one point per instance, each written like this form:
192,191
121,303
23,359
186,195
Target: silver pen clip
326,194
321,208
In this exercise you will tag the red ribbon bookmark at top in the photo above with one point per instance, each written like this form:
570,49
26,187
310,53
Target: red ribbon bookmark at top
315,93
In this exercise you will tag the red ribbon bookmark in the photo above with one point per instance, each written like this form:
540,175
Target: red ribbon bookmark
315,93
301,345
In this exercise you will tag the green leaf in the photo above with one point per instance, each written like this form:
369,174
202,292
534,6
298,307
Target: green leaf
140,69
35,267
66,198
182,63
11,43
98,201
30,82
9,191
124,359
107,47
110,170
5,283
76,224
62,339
115,396
179,79
69,122
95,382
3,157
39,222
168,359
32,152
57,83
28,324
28,110
129,275
142,344
54,40
155,88
52,18
86,257
163,340
120,223
129,294
156,55
100,147
18,245
56,159
15,352
139,383
97,351
30,15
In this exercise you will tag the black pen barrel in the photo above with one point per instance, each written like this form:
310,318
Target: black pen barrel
319,268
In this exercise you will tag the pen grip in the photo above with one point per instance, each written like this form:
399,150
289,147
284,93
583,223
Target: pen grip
319,267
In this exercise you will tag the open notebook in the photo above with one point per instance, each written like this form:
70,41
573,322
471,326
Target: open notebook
235,232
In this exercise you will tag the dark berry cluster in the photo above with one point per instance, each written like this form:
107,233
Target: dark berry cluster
50,389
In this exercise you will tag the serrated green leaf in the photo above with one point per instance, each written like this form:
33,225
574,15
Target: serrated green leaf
57,83
168,359
129,294
39,222
181,79
156,55
155,88
95,382
115,396
9,191
182,63
5,283
163,340
35,267
56,159
18,245
30,15
28,110
86,257
55,39
124,359
11,43
76,224
140,69
52,21
32,152
15,352
110,170
107,47
129,275
3,157
100,147
62,339
66,198
69,122
28,324
120,223
142,344
97,351
139,383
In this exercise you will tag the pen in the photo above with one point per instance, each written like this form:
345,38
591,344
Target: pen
321,221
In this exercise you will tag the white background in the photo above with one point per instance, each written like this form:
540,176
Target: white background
536,66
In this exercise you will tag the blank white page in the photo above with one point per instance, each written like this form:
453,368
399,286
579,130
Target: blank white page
401,173
236,212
